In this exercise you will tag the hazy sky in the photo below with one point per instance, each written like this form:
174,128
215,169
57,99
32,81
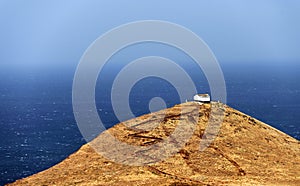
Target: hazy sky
39,32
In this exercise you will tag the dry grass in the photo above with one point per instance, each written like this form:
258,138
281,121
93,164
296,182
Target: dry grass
245,152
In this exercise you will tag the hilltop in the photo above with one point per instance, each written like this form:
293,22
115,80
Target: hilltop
245,152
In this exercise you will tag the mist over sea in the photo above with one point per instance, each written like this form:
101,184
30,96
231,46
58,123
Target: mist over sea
38,128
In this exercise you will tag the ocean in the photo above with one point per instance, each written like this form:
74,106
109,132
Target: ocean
38,129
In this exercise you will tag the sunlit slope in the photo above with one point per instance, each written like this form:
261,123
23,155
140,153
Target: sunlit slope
245,152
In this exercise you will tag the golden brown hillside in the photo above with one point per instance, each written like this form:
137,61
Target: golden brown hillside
245,152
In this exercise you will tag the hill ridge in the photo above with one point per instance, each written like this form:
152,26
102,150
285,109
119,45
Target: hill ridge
246,151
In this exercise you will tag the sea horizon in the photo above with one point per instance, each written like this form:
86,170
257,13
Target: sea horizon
39,129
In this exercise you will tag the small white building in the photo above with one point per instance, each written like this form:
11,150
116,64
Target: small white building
203,98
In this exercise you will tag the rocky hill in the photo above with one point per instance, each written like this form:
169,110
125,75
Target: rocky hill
245,152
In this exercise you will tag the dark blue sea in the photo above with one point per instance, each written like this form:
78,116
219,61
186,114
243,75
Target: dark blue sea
38,128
